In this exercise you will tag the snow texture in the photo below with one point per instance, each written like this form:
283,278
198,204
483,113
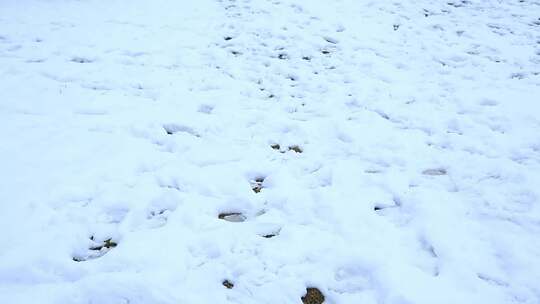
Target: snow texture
380,151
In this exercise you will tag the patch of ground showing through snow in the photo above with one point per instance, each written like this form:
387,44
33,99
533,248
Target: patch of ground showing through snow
258,151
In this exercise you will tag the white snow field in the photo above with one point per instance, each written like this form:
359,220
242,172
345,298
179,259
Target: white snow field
379,151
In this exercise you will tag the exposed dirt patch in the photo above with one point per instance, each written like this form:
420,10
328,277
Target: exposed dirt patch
313,296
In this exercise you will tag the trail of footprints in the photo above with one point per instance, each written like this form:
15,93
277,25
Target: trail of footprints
275,54
267,52
286,79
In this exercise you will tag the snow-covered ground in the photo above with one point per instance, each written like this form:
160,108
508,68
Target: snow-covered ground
380,151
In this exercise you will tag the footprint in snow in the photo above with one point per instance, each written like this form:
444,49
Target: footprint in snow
81,60
234,217
206,109
158,217
283,56
97,249
228,284
257,184
435,172
294,148
171,129
270,235
331,40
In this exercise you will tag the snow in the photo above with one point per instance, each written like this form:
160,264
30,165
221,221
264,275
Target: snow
380,151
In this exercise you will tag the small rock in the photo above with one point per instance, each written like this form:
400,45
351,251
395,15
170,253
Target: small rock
275,146
313,296
234,217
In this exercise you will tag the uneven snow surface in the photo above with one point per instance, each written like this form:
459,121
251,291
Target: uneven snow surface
380,151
